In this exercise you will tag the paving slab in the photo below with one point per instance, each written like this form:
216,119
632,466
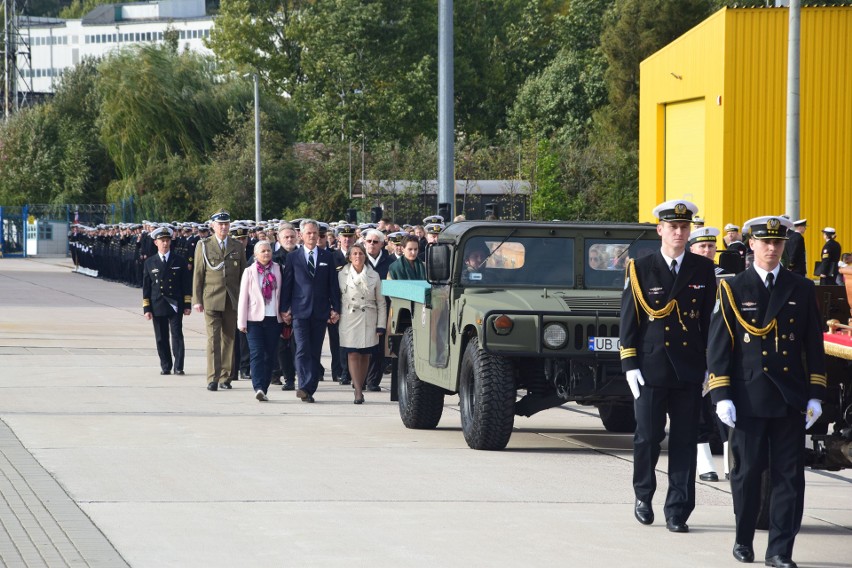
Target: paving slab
169,474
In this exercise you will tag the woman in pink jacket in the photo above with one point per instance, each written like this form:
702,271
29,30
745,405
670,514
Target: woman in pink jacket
258,317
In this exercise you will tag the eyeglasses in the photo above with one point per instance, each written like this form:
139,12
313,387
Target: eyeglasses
372,241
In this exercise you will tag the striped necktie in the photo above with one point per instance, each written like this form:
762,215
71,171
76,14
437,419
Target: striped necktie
311,264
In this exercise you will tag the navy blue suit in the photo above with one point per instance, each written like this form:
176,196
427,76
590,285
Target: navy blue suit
310,301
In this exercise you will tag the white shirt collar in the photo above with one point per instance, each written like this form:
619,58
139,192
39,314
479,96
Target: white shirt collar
669,259
165,257
762,273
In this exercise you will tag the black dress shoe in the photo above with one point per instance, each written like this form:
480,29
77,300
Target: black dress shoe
226,386
165,372
179,373
744,553
275,382
780,561
676,525
345,382
359,400
710,476
212,386
643,512
302,394
308,398
288,387
374,388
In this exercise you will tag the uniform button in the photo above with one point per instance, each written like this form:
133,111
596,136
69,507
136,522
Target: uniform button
754,321
657,302
786,369
684,343
667,343
783,337
694,300
784,353
792,320
765,370
686,313
667,328
765,353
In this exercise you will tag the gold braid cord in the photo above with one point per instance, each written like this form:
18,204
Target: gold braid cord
753,330
640,300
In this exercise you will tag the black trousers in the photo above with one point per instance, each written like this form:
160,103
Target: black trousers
776,443
334,346
682,405
164,326
286,368
377,364
242,357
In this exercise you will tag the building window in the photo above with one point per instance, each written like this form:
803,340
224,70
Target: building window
207,33
45,232
183,34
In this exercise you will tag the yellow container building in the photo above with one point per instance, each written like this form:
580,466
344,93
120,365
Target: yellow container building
712,120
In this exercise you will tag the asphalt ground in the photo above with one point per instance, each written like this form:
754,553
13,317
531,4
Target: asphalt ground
105,462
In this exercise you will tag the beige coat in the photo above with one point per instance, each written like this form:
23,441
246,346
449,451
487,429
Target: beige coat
210,287
361,315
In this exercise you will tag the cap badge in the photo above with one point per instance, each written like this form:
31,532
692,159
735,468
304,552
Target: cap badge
680,209
773,224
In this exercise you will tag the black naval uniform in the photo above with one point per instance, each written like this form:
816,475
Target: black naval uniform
828,267
669,349
164,286
796,261
767,357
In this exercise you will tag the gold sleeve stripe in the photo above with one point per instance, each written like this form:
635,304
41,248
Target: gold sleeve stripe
817,375
715,382
187,299
146,302
627,353
816,380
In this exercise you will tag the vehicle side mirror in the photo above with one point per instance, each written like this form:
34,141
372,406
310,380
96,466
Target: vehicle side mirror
438,268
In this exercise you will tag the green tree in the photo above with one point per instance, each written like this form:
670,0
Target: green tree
253,35
229,178
156,104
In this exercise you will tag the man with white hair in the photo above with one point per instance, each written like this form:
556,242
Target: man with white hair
380,260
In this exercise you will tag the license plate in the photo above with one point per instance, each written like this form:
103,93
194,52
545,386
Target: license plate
604,344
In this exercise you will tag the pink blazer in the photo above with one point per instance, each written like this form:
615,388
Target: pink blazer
250,305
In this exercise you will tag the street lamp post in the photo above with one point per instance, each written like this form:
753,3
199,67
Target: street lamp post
257,216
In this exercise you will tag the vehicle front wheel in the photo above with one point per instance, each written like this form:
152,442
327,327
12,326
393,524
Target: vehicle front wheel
486,398
619,418
420,404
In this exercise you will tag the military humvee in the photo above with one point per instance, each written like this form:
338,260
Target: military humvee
511,308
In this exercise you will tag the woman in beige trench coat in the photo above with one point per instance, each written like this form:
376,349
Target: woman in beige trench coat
362,316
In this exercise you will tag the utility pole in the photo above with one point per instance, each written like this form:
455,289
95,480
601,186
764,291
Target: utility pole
446,126
793,51
8,53
257,216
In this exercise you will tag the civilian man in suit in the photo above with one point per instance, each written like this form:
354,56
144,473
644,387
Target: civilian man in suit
166,297
767,378
665,317
218,267
286,367
310,299
380,260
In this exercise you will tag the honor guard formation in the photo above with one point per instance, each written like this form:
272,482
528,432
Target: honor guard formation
720,333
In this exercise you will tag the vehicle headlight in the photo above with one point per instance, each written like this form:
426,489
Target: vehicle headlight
555,335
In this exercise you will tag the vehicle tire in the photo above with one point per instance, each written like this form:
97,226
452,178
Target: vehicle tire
619,418
420,404
487,396
762,522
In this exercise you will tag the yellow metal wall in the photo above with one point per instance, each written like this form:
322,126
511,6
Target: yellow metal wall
684,157
741,55
689,69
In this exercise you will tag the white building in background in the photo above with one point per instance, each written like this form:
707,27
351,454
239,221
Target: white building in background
55,45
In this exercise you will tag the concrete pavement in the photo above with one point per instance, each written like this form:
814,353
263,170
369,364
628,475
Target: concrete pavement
166,473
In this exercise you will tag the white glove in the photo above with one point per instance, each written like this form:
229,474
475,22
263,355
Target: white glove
814,412
726,412
634,379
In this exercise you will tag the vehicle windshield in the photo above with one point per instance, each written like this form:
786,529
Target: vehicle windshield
518,261
606,260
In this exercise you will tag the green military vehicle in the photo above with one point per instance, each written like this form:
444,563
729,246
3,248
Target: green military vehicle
516,317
